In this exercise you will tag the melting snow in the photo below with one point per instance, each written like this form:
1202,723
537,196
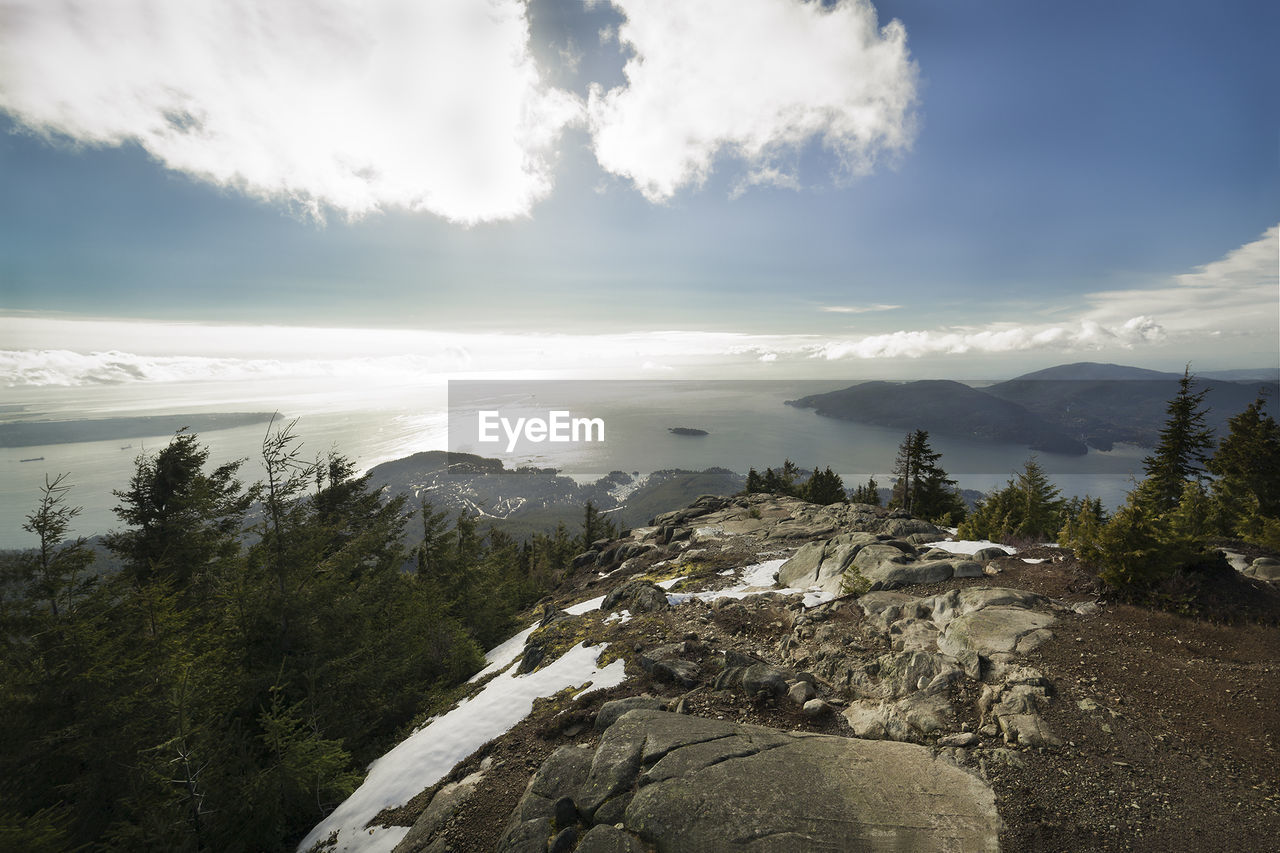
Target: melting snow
621,616
427,755
755,579
1033,559
969,546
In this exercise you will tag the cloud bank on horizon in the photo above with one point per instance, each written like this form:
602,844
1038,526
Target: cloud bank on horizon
357,107
1216,299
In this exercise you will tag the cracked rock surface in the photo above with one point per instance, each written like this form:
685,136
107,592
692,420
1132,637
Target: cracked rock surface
668,781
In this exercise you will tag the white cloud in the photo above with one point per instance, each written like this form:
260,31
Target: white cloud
329,104
1239,293
858,309
757,79
997,338
1236,296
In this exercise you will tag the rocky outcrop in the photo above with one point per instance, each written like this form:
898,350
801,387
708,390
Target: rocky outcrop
669,782
774,518
444,805
1264,568
639,596
861,562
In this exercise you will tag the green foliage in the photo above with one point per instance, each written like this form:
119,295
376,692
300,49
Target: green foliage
1246,470
223,689
1027,508
53,574
1159,536
780,482
1082,519
823,487
595,526
1136,549
867,494
180,521
920,486
1183,449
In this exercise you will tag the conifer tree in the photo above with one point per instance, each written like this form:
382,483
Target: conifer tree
1246,468
1183,449
54,572
823,487
869,493
921,486
181,521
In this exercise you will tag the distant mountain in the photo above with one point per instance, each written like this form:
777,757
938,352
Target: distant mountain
1062,409
1093,371
945,408
1258,374
1105,404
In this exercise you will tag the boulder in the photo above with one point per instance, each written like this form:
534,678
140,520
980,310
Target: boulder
995,629
823,563
610,711
700,784
1264,568
638,596
443,806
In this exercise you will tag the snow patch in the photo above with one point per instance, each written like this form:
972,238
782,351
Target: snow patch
585,606
1034,559
621,617
427,755
501,656
756,579
968,546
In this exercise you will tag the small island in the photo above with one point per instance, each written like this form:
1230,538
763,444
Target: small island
687,431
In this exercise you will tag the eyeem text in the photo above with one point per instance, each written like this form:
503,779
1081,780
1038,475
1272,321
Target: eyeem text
558,426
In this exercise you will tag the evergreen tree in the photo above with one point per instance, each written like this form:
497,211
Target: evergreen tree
823,487
1246,470
54,572
1182,452
755,483
429,556
921,486
1029,507
595,526
181,521
867,494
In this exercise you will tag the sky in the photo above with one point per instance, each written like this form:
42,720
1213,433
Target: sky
754,188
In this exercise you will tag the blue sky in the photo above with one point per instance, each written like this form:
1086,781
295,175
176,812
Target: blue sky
922,188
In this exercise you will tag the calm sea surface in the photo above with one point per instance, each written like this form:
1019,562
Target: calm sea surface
746,421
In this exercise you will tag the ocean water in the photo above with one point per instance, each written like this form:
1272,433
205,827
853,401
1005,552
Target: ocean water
747,425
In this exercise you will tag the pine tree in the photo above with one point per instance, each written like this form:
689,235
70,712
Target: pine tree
53,573
823,487
181,521
1183,449
755,484
867,494
921,486
1246,468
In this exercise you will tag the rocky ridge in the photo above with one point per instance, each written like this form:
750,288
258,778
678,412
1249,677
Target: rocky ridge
890,691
